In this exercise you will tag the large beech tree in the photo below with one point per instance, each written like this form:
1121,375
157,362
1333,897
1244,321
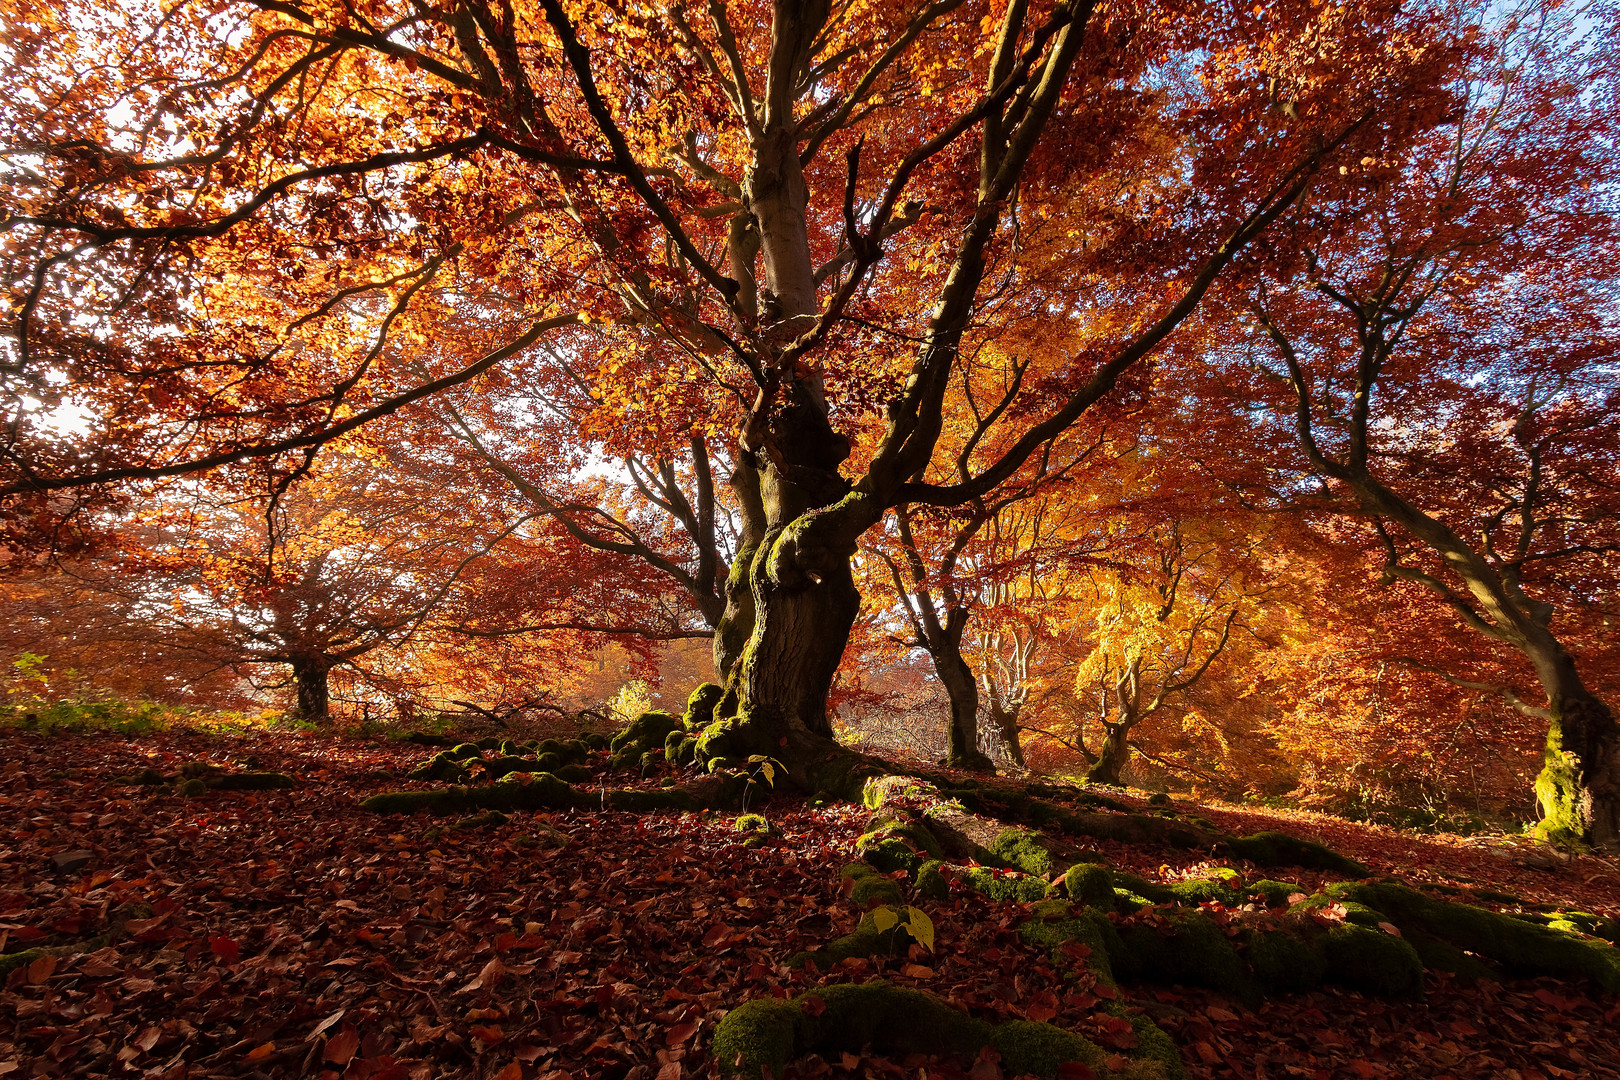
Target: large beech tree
243,229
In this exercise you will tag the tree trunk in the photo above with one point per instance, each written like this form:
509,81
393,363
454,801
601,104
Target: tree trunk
1004,722
309,676
1578,791
963,692
1111,758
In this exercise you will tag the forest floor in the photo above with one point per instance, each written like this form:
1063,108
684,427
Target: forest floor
289,933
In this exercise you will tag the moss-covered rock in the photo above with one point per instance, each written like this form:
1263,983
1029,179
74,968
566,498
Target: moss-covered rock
1372,961
1004,885
1284,961
897,843
1280,849
574,774
931,883
874,890
442,766
192,788
700,705
1023,850
140,778
1089,885
528,791
754,823
1187,947
1521,947
1035,1049
646,731
464,751
762,1036
879,791
1054,922
1274,893
648,763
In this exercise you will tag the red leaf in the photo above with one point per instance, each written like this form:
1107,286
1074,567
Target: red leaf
680,1033
813,1005
224,948
716,935
511,1071
1079,1070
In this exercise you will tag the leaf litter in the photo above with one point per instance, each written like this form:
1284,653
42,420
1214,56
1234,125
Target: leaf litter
290,933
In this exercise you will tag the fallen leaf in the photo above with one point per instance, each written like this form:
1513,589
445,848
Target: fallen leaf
148,1038
511,1071
341,1047
41,969
262,1051
917,971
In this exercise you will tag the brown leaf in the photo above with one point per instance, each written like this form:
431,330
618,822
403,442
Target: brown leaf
511,1071
680,1033
41,969
341,1047
917,971
262,1051
148,1038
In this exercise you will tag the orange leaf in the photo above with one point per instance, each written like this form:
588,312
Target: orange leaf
511,1071
262,1051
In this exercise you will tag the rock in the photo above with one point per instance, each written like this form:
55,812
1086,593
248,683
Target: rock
68,861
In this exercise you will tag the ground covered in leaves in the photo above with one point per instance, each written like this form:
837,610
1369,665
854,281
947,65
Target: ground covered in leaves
287,932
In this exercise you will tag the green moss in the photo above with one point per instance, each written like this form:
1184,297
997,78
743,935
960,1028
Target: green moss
1520,946
192,788
441,766
480,821
1021,849
1281,849
1274,893
10,962
595,740
1372,961
719,764
931,883
751,823
490,742
757,1038
646,731
1283,961
1027,1047
875,890
1140,888
1155,1049
891,1019
1089,885
574,774
1004,886
140,778
1191,949
1195,892
648,762
855,870
700,705
721,739
898,845
1560,793
1051,927
463,751
1440,955
1159,798
881,790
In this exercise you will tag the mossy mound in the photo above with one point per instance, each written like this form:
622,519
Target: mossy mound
1284,962
1054,922
931,883
1372,961
873,890
1184,947
192,788
1003,885
140,778
1089,885
1274,893
700,706
897,842
642,734
1023,850
1280,849
443,766
1519,946
765,1034
541,791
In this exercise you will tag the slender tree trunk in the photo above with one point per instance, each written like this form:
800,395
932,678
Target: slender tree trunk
1004,722
309,676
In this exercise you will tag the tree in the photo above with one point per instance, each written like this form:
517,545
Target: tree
234,241
1448,371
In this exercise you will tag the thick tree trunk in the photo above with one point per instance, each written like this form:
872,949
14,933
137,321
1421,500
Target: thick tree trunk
1578,790
1111,758
963,691
309,677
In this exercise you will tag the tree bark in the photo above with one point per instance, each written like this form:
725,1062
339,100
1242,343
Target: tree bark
1004,722
1578,790
1111,758
963,692
309,678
